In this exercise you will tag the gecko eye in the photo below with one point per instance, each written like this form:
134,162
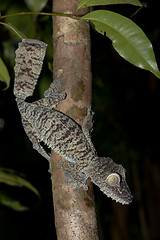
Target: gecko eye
113,179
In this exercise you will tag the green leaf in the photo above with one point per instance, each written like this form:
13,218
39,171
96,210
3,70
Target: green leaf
127,38
13,179
13,29
87,3
25,24
36,5
12,203
4,75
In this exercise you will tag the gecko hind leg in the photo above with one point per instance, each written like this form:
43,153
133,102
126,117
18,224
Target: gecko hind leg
53,96
55,87
36,145
39,148
88,126
74,176
51,101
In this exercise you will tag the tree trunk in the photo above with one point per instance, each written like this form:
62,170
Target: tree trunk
75,216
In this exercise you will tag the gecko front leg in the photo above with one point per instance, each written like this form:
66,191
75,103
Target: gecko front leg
74,176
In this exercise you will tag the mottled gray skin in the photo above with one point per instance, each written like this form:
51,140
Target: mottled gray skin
28,66
61,133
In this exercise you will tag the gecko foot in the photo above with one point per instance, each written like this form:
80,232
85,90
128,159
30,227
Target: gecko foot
74,176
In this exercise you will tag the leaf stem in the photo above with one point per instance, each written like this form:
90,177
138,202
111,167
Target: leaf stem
40,13
72,14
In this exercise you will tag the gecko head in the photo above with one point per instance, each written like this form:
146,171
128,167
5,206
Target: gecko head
110,178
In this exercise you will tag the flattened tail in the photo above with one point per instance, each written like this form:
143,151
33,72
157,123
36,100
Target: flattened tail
29,61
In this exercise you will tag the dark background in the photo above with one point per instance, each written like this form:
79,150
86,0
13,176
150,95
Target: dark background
126,102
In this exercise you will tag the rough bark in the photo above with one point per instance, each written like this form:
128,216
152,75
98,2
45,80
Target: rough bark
75,216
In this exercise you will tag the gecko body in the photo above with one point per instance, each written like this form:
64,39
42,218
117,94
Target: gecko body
59,132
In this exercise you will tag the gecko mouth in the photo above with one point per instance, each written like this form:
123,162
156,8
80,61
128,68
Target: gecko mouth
121,195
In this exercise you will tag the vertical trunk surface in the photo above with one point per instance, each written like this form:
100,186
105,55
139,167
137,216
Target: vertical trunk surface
75,216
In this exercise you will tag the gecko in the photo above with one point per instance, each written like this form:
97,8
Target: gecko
42,123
